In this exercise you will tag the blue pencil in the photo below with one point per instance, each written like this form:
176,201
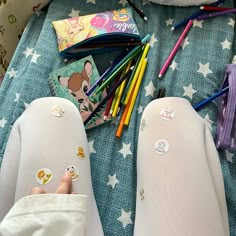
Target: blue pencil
207,100
109,69
195,15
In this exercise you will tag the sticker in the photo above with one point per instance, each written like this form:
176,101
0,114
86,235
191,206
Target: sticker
43,176
167,113
141,194
73,172
161,146
58,111
80,152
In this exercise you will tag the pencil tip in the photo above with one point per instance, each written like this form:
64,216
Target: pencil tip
105,117
201,8
172,28
145,18
159,76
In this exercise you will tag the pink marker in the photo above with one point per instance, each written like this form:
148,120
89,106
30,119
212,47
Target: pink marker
175,49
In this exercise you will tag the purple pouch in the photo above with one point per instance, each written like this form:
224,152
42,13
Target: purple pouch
226,120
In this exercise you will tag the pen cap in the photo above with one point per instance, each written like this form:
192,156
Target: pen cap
226,130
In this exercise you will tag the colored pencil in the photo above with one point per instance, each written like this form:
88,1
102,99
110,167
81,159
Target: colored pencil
106,98
108,107
122,121
112,76
144,54
215,14
211,8
138,10
136,90
110,68
195,15
175,49
120,92
211,98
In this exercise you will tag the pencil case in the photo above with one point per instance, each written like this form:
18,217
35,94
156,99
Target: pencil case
226,120
99,32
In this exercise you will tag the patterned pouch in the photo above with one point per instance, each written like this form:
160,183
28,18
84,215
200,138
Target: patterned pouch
226,121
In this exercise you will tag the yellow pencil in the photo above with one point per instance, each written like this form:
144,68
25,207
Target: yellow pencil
144,54
136,90
121,89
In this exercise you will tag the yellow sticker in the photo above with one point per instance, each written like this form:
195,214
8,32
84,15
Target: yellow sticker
58,111
43,176
73,172
80,152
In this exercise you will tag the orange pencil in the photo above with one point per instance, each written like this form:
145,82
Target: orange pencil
122,121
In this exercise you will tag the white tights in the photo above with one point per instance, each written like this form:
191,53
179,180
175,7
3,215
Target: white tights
180,189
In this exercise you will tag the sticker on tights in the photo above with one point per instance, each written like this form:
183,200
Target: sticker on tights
58,111
141,194
43,176
73,172
80,152
161,146
167,113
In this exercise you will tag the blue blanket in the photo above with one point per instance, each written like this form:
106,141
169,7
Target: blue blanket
196,72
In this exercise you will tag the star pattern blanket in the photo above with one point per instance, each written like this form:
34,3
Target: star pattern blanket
196,72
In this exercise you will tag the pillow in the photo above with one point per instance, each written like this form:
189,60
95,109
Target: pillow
13,18
182,2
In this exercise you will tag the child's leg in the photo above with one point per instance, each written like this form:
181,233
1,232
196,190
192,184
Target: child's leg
47,140
180,188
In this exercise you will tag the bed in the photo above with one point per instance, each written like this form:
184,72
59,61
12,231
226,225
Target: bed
196,73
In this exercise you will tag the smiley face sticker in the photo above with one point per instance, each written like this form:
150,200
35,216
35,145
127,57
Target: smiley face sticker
80,152
73,172
43,176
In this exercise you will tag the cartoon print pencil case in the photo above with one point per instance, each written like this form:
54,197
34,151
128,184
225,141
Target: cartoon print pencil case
84,35
226,121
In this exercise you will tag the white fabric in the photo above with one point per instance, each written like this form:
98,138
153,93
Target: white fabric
39,139
182,2
179,192
46,214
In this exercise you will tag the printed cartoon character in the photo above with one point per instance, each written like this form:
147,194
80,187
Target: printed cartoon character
167,113
43,176
73,172
120,15
161,147
101,22
80,152
78,83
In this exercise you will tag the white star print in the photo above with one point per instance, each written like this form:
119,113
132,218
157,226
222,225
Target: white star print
12,73
91,148
226,44
125,150
74,13
174,65
140,109
28,52
17,97
35,57
123,2
234,60
169,21
112,180
189,91
150,89
125,218
153,40
26,105
197,23
231,22
3,121
92,1
204,69
209,122
229,156
185,43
